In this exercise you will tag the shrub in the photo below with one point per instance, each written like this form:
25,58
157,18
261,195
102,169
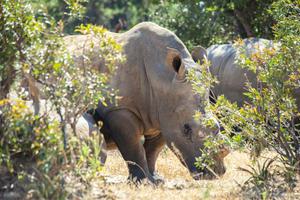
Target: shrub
269,120
37,146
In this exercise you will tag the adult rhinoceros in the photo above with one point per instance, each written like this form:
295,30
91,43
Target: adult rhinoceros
231,76
156,101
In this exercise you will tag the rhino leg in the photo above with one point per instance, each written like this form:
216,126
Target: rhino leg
126,131
103,151
153,146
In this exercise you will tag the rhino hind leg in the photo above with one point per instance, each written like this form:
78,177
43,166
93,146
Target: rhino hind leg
126,130
103,151
153,146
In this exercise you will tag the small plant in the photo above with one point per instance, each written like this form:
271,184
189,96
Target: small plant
260,175
265,181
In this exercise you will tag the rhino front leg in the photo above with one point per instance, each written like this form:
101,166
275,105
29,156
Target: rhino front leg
153,146
126,130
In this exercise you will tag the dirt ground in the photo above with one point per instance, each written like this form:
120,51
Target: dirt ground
112,182
178,182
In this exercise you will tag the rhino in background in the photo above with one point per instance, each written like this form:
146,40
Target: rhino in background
231,77
156,101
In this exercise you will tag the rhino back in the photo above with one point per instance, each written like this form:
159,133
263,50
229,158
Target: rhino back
231,76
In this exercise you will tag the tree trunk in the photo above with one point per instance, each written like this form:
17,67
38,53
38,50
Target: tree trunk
240,16
7,81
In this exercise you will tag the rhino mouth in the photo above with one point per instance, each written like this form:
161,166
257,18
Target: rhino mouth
209,174
216,171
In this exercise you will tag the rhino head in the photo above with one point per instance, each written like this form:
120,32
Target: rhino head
177,103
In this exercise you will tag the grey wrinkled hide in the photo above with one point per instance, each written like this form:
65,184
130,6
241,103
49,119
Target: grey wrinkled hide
156,100
232,78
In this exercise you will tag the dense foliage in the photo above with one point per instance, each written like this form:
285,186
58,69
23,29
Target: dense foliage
270,120
195,22
106,13
211,22
43,93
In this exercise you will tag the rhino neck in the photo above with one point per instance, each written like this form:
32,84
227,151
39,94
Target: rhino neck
134,82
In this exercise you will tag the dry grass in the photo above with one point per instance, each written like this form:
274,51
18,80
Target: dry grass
179,184
112,184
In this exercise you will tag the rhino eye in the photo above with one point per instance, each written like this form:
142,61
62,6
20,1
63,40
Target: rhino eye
187,130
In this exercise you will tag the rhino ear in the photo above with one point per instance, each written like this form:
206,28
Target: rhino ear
199,53
174,60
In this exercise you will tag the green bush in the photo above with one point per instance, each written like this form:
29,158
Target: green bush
269,120
38,147
213,22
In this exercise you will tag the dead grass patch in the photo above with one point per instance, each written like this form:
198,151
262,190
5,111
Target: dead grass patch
112,182
179,184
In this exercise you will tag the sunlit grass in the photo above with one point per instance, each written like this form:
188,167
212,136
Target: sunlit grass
179,184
